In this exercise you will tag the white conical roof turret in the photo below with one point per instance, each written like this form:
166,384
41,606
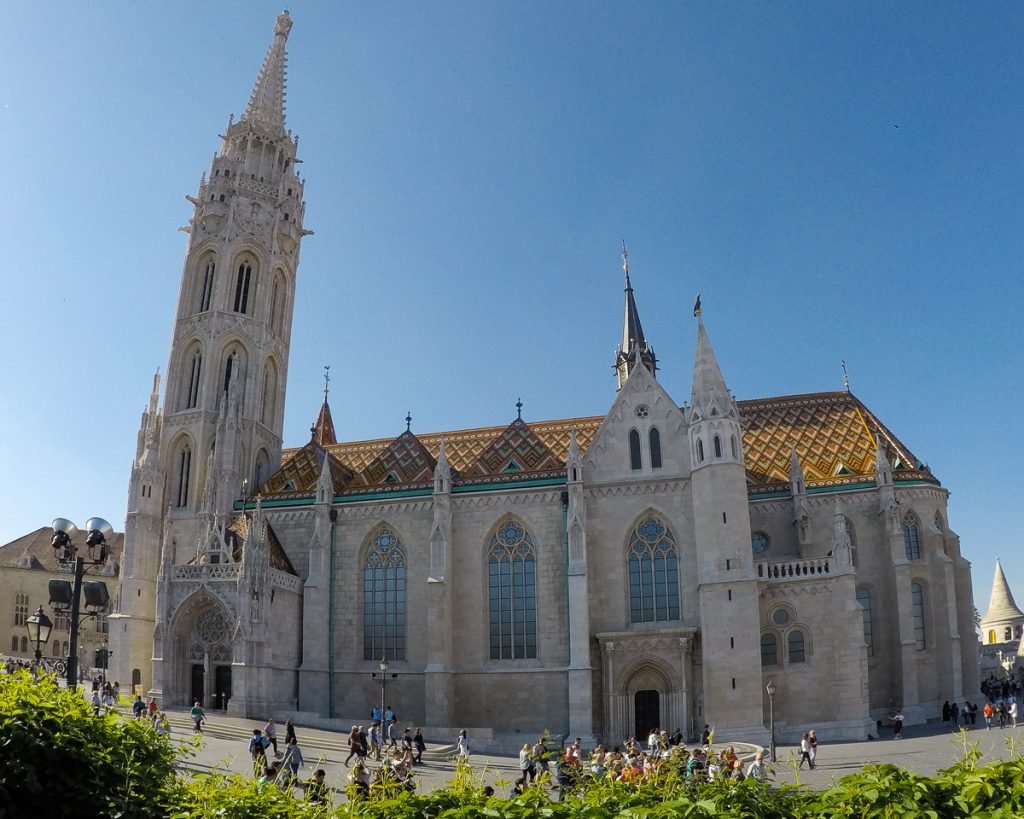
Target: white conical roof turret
1001,607
709,390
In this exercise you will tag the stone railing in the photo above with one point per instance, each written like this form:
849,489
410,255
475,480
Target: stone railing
283,580
795,569
208,571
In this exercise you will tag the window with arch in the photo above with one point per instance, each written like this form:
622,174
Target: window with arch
911,543
654,439
735,447
261,470
769,649
512,593
20,608
229,368
14,644
653,573
182,475
917,610
243,285
864,598
24,645
277,304
195,374
851,533
384,598
268,407
1007,634
718,447
700,451
206,287
635,461
795,651
56,649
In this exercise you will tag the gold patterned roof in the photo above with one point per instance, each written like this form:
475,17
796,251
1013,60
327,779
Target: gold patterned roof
404,460
301,471
833,432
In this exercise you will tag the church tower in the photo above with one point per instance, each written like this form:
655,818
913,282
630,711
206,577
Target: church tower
634,344
223,410
727,584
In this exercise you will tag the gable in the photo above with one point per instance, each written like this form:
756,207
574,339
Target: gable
517,449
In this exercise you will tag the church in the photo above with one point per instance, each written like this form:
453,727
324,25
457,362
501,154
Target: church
657,566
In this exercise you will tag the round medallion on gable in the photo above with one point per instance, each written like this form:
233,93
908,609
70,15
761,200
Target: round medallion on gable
642,411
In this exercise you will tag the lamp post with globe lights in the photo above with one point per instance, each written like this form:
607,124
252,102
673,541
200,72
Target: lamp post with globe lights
39,628
770,688
64,594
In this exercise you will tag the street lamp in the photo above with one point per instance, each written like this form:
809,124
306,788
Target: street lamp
63,594
383,689
39,628
770,688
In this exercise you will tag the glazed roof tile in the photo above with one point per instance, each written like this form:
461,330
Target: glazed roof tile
833,432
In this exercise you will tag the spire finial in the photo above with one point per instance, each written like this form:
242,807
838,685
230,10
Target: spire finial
266,105
696,307
846,376
625,261
408,421
327,380
519,409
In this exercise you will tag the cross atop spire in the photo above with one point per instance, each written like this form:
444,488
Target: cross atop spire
327,380
266,105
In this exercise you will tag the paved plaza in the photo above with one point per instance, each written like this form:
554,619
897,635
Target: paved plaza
923,749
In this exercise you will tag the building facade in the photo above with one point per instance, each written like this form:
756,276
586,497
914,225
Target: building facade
592,576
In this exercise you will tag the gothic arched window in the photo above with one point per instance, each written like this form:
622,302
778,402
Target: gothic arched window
262,469
653,572
195,374
384,598
206,289
512,593
277,303
268,404
635,461
917,610
864,598
735,447
911,544
654,439
718,447
700,451
769,649
182,475
243,283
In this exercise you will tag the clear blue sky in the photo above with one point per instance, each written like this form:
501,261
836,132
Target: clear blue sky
839,180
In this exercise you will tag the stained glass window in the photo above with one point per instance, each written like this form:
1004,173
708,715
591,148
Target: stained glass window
384,598
911,544
917,610
512,593
653,573
864,598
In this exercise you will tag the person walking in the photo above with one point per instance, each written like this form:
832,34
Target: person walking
270,731
198,718
1013,712
897,725
462,744
805,752
289,731
292,760
988,711
420,744
812,740
354,745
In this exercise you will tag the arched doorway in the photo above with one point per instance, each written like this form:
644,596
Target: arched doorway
646,713
207,667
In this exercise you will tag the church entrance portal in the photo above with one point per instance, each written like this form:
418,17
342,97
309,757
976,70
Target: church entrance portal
646,713
221,686
198,673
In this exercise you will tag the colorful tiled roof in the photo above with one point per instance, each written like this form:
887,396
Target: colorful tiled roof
833,432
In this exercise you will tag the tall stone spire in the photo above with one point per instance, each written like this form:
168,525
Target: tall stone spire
709,396
634,343
1001,606
266,105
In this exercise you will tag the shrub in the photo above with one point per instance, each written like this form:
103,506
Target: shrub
58,758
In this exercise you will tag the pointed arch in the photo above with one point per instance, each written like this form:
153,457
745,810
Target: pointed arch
234,359
205,279
918,613
718,446
653,567
700,450
911,538
384,609
268,401
635,460
851,533
261,468
191,376
278,299
244,295
512,591
654,441
182,473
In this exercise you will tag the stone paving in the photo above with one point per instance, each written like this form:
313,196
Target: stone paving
923,749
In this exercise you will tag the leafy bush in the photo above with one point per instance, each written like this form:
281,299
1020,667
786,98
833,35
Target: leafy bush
58,758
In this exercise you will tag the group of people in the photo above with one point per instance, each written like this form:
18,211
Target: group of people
999,708
363,744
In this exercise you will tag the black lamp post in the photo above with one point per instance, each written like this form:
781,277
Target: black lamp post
770,688
65,595
39,628
383,690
